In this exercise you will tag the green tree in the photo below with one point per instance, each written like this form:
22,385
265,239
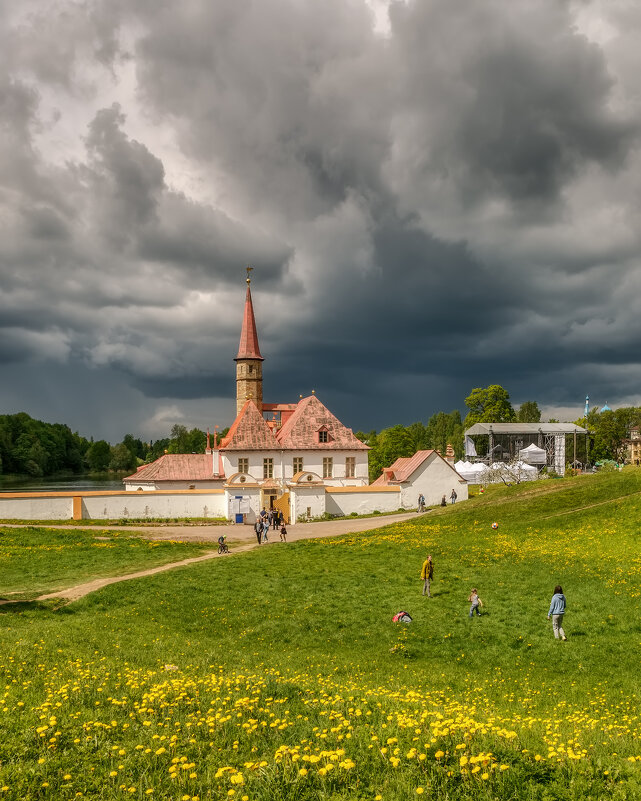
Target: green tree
609,430
529,412
99,456
489,405
122,458
135,446
184,441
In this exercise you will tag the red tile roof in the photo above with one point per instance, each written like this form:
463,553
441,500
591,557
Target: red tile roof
403,468
177,467
300,431
248,347
249,432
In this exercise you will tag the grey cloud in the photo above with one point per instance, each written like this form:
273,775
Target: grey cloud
448,206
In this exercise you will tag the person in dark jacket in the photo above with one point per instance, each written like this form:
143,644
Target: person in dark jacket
556,612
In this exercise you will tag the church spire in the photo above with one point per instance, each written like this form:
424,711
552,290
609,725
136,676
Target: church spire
248,347
249,370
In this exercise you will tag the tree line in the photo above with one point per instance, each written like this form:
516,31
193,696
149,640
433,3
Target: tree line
35,448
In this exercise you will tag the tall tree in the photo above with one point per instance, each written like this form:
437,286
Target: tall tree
99,456
529,412
489,405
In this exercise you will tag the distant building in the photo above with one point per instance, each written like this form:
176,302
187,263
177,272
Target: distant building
269,447
634,446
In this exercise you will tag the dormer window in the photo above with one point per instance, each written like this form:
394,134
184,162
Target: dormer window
323,435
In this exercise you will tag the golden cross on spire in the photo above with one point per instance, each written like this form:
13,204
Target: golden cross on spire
249,269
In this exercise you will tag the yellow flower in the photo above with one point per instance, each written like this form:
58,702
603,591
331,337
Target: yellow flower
439,754
419,791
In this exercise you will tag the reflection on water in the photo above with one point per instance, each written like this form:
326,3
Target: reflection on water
67,484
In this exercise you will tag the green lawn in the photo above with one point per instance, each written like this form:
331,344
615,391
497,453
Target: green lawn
278,674
34,561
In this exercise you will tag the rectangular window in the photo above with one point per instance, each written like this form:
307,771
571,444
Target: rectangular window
268,468
243,465
298,464
350,466
323,436
328,466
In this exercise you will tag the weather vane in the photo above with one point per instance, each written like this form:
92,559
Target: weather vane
249,269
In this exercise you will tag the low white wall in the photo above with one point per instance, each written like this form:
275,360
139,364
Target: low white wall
146,504
362,500
304,499
36,507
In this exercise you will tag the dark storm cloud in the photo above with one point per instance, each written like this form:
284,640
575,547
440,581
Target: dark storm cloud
451,204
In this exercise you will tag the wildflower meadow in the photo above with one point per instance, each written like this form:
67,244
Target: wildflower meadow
278,674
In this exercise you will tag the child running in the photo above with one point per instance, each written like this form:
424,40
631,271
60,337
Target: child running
283,533
475,602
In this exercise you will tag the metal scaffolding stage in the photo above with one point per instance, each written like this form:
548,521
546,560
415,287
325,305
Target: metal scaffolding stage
505,440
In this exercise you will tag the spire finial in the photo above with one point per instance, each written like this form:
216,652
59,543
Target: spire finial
249,278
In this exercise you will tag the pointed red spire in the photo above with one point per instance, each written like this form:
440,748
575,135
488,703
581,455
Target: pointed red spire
248,348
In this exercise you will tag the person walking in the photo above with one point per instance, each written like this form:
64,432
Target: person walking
265,528
453,496
556,611
275,518
258,528
283,533
427,574
421,503
475,602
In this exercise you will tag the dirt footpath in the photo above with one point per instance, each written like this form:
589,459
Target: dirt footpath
299,531
235,534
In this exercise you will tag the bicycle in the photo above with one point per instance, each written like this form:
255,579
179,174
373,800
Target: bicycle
223,547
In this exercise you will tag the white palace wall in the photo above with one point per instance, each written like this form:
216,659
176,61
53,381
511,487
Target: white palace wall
305,501
362,500
112,505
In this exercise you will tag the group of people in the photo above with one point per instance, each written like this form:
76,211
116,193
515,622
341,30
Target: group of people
421,500
270,518
556,611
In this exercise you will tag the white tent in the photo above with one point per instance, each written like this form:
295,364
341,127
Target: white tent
532,455
471,472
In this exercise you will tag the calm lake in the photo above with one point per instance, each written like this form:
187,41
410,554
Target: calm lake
65,484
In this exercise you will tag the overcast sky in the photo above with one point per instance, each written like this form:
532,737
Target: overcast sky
434,195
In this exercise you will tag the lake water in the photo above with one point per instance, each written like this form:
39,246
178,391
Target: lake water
66,484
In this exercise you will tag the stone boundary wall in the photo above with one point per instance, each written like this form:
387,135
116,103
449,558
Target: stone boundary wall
112,505
362,500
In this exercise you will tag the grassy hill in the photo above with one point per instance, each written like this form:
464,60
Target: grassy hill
278,674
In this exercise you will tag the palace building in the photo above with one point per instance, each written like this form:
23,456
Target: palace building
270,447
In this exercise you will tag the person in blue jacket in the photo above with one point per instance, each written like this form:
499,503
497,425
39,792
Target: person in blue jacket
557,610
